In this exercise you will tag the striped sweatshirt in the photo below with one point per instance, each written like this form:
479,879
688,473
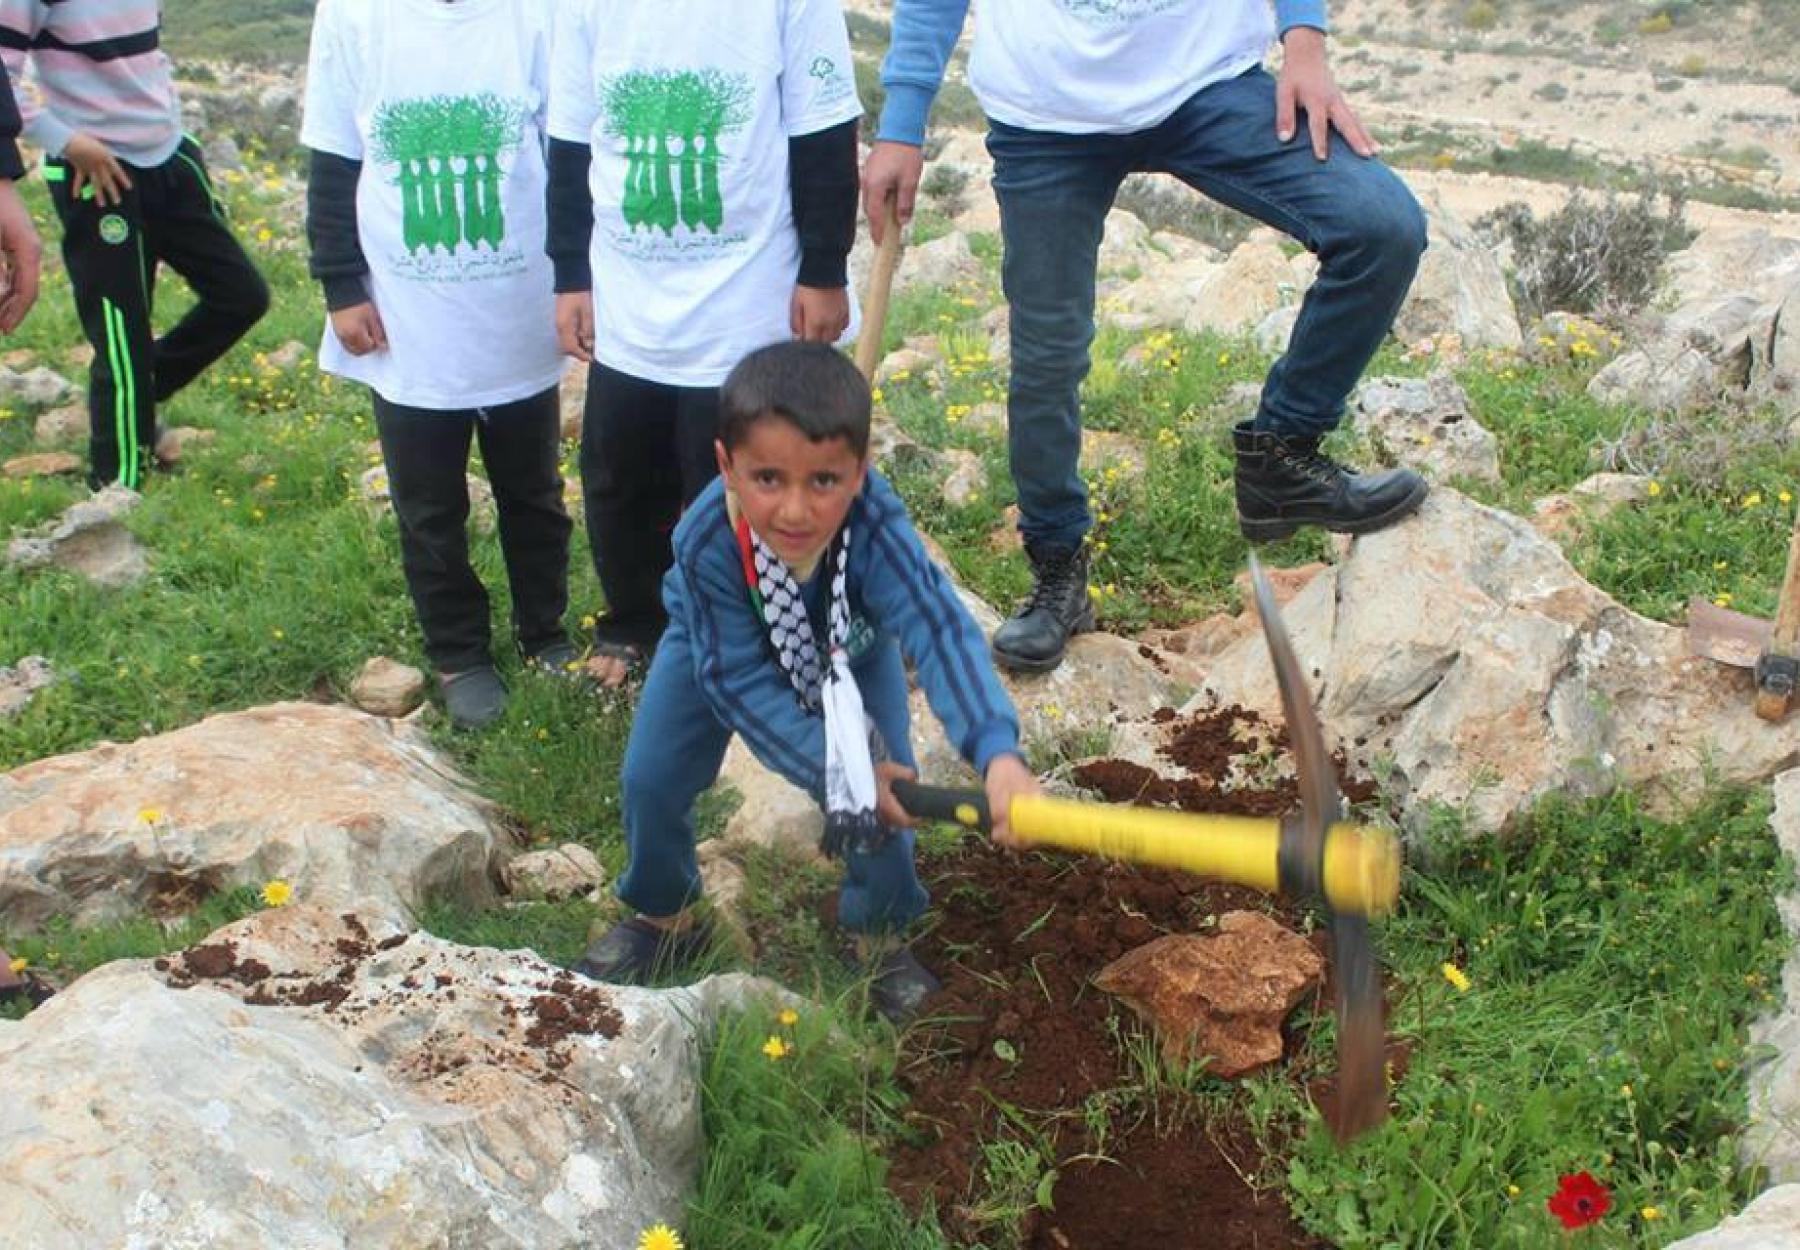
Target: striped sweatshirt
892,587
98,69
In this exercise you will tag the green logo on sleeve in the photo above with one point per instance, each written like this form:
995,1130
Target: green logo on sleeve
823,67
114,229
448,150
672,123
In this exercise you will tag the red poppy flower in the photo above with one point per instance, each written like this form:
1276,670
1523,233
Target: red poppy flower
1579,1200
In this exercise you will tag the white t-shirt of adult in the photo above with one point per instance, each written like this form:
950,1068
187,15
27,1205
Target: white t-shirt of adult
688,106
1108,66
444,106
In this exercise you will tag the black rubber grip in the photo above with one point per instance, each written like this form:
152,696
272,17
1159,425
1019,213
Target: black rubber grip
968,808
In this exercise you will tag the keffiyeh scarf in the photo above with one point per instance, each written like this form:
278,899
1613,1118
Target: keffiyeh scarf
824,685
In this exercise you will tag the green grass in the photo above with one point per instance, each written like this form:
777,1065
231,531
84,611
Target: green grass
254,31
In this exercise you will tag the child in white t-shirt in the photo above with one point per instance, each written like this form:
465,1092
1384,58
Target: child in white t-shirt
703,189
426,220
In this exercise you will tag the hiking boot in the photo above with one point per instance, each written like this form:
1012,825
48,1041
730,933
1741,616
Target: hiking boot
1284,482
474,697
635,951
1034,638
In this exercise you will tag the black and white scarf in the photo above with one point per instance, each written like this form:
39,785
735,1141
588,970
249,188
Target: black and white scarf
824,687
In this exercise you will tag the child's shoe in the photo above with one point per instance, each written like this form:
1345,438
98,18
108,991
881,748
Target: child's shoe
899,984
559,659
635,951
474,697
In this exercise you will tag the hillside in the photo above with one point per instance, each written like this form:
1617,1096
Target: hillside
259,31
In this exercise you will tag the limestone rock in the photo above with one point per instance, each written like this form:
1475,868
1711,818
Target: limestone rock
176,441
289,356
1772,1222
903,363
1124,244
1254,281
942,264
222,154
19,683
1107,449
347,808
1613,490
568,871
1162,297
1463,649
1218,998
1772,1139
724,882
35,388
61,425
415,1093
1426,424
965,477
41,464
1274,330
774,813
1680,381
90,539
1459,288
384,687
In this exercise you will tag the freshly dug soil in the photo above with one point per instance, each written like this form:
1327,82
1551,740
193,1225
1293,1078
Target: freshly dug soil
1016,940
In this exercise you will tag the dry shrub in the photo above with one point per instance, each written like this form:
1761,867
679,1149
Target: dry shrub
1600,254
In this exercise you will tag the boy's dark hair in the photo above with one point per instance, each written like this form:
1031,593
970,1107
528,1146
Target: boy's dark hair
811,386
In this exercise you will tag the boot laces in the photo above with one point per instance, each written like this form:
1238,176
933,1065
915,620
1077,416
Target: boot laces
1052,581
1308,460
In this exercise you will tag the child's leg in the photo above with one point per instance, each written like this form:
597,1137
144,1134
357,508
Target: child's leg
427,456
881,891
676,748
631,495
519,444
189,231
108,263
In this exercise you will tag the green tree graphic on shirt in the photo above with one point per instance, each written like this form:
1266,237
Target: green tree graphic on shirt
448,151
672,122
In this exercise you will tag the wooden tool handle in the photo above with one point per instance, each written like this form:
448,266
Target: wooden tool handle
881,286
1787,613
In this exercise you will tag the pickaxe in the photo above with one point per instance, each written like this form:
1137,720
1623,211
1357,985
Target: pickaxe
1352,870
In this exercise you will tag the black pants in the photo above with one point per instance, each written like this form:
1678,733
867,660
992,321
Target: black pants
170,215
646,451
427,455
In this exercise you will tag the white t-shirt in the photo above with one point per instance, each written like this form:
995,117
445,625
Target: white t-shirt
1108,66
688,106
444,106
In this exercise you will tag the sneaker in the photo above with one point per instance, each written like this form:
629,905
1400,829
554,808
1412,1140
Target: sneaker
475,697
1284,482
559,659
634,951
1034,638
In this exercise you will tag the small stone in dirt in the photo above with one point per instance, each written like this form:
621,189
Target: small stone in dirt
35,388
20,682
89,538
175,443
569,871
61,425
385,687
42,464
287,356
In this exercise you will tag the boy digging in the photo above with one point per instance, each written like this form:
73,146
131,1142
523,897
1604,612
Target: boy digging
798,583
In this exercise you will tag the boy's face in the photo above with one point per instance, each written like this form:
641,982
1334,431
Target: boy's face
794,492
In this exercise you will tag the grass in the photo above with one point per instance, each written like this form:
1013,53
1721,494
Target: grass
273,579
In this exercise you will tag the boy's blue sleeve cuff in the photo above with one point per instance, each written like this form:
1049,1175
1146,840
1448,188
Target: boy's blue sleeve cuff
992,743
1292,13
903,115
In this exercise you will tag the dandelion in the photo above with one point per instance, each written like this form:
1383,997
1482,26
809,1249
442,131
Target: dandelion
1512,1191
1784,496
1650,1214
875,395
149,816
1723,599
18,965
1654,489
1753,499
1625,1090
659,1237
277,893
788,1017
775,1048
1457,977
1579,1200
587,622
278,633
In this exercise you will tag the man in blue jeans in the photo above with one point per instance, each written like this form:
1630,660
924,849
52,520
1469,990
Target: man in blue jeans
1080,93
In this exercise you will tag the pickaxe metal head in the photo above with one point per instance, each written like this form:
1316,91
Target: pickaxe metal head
1362,1075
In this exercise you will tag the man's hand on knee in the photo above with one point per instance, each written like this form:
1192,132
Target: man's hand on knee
1306,85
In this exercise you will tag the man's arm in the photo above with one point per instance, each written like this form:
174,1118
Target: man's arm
18,237
924,33
1306,85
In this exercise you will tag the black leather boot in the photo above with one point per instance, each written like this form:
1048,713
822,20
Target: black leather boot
1034,638
1286,482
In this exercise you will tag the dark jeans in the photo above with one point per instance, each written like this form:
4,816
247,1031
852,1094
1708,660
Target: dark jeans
1054,192
427,455
169,215
646,451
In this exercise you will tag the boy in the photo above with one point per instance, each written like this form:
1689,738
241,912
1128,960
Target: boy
797,584
703,180
425,214
131,192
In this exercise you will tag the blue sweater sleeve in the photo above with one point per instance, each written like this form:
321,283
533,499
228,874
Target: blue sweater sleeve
908,597
924,33
1292,13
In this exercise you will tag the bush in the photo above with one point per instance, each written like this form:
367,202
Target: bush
1691,66
1165,205
1594,255
1481,15
946,186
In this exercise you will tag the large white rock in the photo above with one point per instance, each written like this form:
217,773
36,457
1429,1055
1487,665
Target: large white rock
343,806
945,263
89,539
1255,280
1426,424
431,1095
1459,289
1772,1222
1772,1139
1464,650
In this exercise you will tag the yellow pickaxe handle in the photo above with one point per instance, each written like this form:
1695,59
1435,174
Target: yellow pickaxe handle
1360,875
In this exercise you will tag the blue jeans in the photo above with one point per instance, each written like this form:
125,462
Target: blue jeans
1054,192
677,745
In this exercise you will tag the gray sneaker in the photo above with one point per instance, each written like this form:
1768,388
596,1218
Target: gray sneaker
475,697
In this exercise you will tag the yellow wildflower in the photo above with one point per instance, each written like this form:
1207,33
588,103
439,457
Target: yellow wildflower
1512,1191
1723,599
788,1017
1753,499
875,395
149,816
1785,497
19,965
659,1237
1457,977
1625,1090
1650,1214
277,893
775,1048
1654,489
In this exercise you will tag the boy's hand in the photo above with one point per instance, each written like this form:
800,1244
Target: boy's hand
94,163
887,807
359,329
1007,779
819,314
892,172
575,324
1306,85
19,245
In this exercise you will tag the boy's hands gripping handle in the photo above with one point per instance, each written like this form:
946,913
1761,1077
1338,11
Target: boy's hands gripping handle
968,808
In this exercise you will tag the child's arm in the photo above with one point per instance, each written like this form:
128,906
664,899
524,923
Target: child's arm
569,205
21,23
819,112
18,238
328,127
924,33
